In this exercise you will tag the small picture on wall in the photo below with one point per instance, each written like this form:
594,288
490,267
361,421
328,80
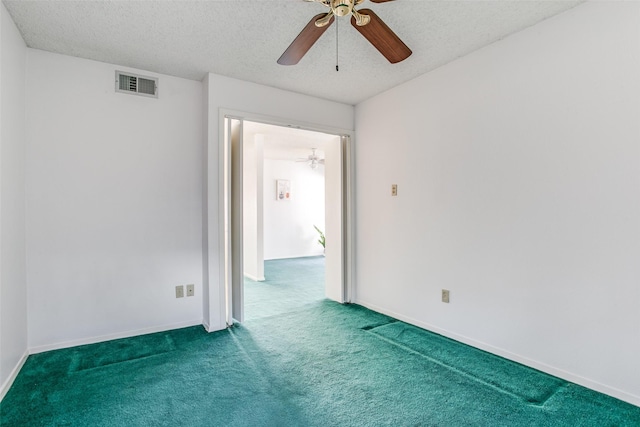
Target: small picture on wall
283,189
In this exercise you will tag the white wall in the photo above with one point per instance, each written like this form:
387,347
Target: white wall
288,224
253,206
518,169
335,270
226,93
114,203
13,288
204,218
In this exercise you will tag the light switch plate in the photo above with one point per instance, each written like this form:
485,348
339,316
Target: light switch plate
445,296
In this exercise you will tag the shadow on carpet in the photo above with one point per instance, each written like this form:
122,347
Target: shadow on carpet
326,365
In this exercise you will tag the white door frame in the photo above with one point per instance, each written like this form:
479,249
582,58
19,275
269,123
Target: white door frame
224,191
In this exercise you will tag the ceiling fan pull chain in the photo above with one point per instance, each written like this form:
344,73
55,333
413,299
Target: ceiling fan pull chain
337,68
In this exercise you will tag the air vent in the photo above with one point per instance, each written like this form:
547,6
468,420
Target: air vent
137,85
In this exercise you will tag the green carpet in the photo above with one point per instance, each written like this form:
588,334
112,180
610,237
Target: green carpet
322,364
504,375
290,285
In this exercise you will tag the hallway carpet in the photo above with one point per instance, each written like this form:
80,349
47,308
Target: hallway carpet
290,285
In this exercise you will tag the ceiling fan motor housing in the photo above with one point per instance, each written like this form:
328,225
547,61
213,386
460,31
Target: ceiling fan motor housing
342,7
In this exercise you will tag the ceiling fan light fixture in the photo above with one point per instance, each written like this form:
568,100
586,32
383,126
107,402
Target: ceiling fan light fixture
342,7
312,159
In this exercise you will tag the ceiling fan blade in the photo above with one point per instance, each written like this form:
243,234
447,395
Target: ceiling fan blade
382,38
301,45
380,1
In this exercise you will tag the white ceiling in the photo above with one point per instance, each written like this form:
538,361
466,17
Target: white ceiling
244,38
285,143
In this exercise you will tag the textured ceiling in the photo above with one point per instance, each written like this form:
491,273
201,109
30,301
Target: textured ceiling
244,38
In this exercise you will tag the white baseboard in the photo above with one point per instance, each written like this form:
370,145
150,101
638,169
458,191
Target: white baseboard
115,336
577,379
294,256
210,329
12,377
254,278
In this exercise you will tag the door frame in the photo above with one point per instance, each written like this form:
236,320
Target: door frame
347,138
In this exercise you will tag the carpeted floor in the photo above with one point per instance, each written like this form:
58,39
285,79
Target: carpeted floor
290,285
322,364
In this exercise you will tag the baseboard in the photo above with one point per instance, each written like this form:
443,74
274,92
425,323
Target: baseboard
109,337
12,377
254,278
218,328
295,256
577,379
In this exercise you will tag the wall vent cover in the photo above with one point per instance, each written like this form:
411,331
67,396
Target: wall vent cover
136,85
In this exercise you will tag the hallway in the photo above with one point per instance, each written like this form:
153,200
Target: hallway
291,284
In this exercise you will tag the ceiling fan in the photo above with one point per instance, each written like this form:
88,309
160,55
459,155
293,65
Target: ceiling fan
312,159
364,20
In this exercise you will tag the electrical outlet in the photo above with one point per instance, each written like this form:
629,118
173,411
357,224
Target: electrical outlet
179,291
445,296
394,189
189,290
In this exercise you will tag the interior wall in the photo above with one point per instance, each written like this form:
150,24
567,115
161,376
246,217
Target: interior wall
518,190
204,220
253,206
114,203
334,215
13,288
288,224
225,93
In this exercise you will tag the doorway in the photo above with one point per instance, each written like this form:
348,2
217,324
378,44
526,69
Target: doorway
283,204
248,190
